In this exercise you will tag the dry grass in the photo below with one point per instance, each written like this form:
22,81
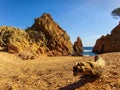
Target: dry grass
55,73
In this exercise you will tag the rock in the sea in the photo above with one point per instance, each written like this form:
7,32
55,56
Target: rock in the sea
108,43
77,47
45,36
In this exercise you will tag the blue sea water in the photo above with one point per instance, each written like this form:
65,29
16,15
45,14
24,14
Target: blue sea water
88,51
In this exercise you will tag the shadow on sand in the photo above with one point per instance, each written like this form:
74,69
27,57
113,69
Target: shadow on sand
83,80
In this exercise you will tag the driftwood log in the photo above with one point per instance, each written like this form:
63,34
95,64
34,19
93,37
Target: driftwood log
92,68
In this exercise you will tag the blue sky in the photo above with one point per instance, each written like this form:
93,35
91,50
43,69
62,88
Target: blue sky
88,19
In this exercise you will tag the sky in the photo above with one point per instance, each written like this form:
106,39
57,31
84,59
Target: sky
88,19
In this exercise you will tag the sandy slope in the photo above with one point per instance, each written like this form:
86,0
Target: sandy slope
55,73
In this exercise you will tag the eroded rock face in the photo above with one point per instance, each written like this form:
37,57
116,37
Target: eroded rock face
50,35
77,47
108,43
16,41
44,37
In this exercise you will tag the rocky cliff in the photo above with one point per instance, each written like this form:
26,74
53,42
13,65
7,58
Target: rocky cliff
45,36
48,34
108,43
16,41
77,47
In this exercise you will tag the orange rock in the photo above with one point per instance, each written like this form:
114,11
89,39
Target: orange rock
45,30
77,47
12,48
45,36
108,43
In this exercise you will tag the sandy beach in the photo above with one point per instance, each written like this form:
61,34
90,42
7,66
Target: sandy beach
55,73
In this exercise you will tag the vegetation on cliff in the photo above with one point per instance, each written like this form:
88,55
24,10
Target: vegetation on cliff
44,37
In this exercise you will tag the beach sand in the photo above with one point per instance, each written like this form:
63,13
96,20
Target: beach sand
55,73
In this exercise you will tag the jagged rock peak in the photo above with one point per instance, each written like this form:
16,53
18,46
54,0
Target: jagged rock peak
46,22
45,16
79,40
77,47
44,37
55,39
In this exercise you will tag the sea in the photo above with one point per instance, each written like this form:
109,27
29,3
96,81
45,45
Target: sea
87,51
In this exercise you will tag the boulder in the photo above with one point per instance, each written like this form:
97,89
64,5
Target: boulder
77,47
108,43
12,48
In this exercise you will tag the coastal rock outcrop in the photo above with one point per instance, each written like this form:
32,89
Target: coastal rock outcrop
108,43
48,34
45,36
77,47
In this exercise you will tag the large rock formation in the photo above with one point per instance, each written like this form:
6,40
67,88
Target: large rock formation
44,37
77,47
108,43
48,34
